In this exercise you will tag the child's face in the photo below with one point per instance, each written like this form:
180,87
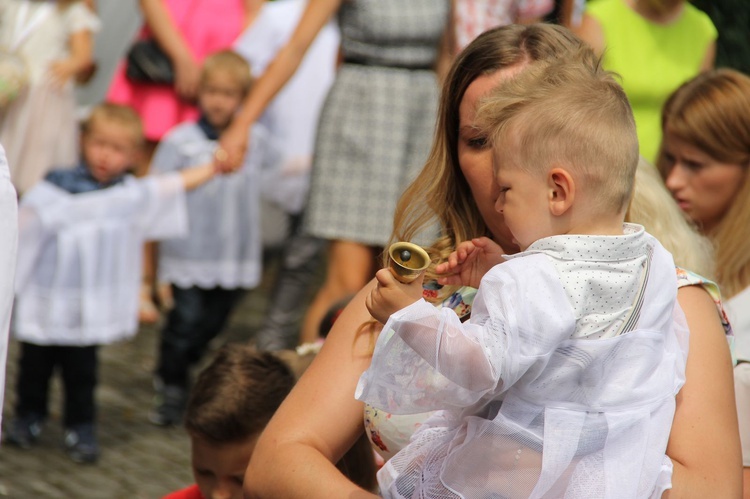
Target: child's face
219,470
523,201
109,150
219,98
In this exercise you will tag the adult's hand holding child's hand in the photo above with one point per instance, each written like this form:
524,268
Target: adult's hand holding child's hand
470,262
233,143
390,295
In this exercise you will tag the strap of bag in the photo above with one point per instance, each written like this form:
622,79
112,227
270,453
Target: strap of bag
25,27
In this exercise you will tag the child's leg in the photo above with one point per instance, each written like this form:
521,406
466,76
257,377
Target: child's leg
79,372
177,338
197,317
218,304
36,364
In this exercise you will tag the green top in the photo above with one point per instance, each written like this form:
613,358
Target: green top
653,59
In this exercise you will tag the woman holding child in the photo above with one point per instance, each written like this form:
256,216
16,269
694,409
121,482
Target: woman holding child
320,419
704,160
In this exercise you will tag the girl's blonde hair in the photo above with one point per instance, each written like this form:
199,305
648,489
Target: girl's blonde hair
440,193
653,207
712,112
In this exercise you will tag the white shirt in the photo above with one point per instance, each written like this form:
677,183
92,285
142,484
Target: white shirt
600,410
8,243
223,246
79,264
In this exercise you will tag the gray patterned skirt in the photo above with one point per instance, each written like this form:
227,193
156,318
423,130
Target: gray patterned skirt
374,136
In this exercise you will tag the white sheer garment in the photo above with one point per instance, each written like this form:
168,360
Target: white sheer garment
223,245
79,259
8,246
580,417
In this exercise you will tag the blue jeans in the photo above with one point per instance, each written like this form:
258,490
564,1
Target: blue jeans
198,316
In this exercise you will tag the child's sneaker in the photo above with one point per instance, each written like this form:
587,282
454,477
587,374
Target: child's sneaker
23,431
170,405
80,443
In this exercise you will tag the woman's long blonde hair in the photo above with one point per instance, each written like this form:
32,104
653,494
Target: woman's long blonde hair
712,112
653,207
440,192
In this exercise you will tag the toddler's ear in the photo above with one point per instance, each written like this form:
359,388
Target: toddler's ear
562,191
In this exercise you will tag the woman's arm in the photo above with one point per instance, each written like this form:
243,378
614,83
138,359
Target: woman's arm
319,420
316,15
704,443
171,41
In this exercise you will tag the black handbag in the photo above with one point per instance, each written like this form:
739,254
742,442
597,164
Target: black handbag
146,62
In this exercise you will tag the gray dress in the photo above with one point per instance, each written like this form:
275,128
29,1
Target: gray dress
377,123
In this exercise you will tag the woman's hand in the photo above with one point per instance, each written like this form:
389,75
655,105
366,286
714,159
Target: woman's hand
186,77
390,295
470,262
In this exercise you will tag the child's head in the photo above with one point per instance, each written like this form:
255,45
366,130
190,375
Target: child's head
232,401
111,140
565,147
225,80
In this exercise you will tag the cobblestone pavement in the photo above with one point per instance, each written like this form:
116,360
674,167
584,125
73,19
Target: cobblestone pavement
138,460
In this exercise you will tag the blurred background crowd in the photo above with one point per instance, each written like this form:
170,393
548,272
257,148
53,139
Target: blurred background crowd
337,119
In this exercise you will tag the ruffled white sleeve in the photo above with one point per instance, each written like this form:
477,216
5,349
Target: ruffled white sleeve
427,359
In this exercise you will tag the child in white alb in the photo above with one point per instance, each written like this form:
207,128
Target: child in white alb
563,381
80,233
221,255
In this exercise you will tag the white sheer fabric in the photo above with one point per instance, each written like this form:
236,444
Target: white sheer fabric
580,417
223,245
79,263
8,245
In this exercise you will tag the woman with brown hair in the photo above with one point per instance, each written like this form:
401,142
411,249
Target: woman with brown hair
321,419
704,159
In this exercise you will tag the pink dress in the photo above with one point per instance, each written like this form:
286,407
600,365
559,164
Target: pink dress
207,26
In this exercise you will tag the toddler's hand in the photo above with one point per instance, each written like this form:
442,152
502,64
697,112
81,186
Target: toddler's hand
234,143
390,295
472,259
221,166
60,72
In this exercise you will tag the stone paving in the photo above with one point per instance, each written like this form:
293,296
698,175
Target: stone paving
138,460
